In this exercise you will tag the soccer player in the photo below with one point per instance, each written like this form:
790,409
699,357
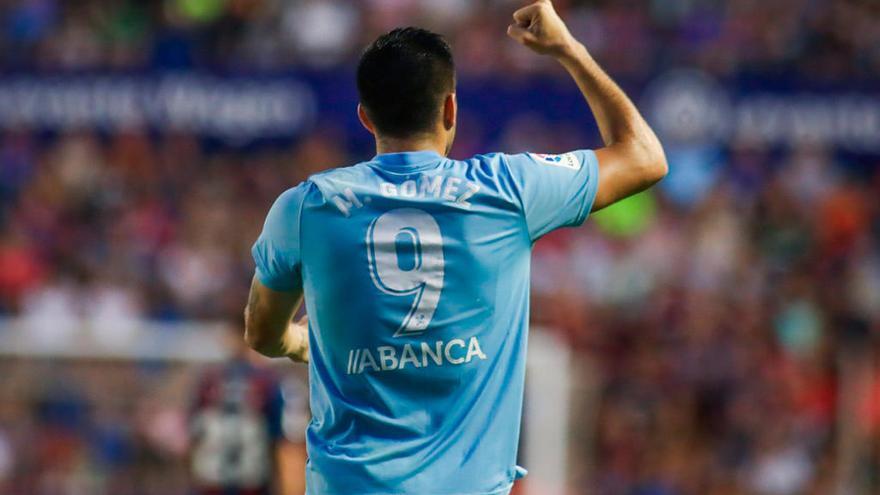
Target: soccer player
241,429
415,270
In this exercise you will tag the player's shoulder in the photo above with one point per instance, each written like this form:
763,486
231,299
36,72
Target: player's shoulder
499,165
291,200
498,161
572,160
333,181
510,172
319,184
486,164
492,159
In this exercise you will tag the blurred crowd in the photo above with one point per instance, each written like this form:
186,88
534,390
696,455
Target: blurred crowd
108,427
94,427
733,338
821,39
730,329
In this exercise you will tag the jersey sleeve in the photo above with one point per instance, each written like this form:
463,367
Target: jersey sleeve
555,190
277,251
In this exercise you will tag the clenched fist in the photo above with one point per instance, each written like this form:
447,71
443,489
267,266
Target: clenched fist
540,28
296,340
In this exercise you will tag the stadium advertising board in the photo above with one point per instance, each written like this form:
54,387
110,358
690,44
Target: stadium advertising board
686,106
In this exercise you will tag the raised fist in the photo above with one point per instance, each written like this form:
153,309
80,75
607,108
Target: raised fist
540,28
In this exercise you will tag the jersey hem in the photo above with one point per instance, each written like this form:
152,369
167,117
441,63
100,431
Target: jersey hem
502,491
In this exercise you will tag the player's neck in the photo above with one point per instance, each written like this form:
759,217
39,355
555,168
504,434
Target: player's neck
421,143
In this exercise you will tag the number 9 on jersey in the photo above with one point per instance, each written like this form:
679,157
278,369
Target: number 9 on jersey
421,274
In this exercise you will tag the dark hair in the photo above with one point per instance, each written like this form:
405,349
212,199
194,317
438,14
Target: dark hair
402,78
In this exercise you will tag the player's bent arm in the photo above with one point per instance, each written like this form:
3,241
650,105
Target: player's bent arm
268,326
632,159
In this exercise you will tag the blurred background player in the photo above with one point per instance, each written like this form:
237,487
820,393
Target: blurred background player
246,428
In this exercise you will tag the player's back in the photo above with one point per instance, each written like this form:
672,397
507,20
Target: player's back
416,276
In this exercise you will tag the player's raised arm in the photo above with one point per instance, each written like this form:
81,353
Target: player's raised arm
632,159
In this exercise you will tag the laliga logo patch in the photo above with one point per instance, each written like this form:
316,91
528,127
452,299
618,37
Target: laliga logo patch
565,160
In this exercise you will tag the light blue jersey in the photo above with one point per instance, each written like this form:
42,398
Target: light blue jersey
416,276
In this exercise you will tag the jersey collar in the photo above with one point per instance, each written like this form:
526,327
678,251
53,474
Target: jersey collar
407,160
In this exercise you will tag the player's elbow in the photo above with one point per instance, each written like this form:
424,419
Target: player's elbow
658,168
255,337
256,341
651,160
251,337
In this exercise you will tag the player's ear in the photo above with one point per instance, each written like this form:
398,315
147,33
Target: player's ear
365,120
450,111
